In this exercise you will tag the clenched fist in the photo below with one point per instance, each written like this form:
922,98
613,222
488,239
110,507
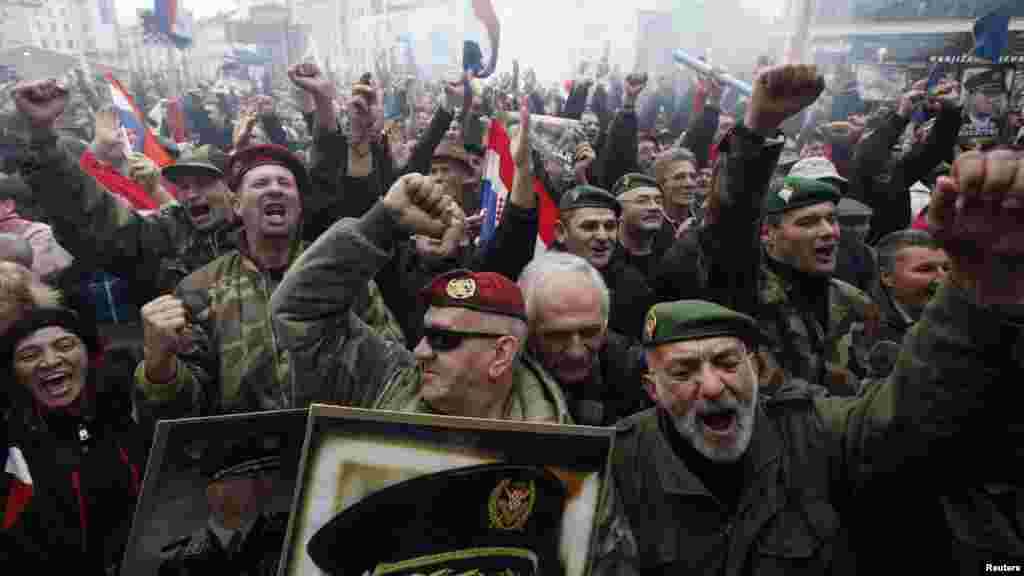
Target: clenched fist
420,206
166,324
41,102
144,171
308,77
977,214
781,92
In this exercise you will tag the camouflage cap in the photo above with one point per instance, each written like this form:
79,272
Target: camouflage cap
586,196
632,181
488,519
487,292
799,193
203,161
694,320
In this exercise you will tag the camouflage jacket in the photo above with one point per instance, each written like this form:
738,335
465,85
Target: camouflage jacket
235,363
337,359
832,356
153,252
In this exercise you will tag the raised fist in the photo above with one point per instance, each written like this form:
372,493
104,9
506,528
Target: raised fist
976,213
166,324
420,206
308,77
41,101
781,92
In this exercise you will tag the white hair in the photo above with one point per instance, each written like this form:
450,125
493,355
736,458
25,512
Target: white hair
553,262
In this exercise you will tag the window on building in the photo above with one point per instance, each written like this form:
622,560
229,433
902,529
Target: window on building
67,27
46,44
53,28
71,44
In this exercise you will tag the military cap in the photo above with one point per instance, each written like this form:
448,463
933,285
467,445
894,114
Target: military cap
817,168
798,193
696,319
203,161
452,153
586,196
487,292
488,519
632,181
245,160
245,459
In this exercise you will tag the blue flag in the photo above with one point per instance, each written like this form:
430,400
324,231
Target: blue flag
992,34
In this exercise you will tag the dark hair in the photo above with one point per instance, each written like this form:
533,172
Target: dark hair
890,245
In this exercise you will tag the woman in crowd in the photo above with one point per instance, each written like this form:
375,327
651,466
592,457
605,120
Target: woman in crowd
73,453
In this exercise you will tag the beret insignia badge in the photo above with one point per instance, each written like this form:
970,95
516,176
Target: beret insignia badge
461,288
651,325
511,504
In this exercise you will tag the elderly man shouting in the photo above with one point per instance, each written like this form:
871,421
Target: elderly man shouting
718,479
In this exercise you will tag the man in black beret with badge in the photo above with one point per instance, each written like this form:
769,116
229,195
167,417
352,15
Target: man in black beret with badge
490,519
722,479
470,360
239,537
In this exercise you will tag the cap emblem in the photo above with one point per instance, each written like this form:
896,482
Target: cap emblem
461,288
652,324
786,194
511,504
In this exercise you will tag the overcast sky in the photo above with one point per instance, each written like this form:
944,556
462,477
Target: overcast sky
540,33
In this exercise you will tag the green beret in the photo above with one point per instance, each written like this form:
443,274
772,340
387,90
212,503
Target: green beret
632,181
696,319
797,193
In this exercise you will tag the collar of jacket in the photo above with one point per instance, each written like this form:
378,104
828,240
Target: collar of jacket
295,248
781,281
892,314
763,456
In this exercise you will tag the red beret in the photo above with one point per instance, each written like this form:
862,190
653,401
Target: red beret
488,292
248,158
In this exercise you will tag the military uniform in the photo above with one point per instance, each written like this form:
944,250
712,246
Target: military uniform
255,554
336,359
234,363
815,467
154,252
488,520
254,550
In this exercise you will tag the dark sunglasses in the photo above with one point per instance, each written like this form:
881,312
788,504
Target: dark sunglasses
443,340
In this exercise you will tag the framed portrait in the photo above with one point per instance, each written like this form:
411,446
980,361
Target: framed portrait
216,495
395,493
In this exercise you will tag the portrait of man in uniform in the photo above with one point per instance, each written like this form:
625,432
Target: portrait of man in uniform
427,494
216,495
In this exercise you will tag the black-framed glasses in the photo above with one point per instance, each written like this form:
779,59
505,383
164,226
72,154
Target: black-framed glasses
443,340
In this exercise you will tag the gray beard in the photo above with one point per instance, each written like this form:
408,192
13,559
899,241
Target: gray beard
689,429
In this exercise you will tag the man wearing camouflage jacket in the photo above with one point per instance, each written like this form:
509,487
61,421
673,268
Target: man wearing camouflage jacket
470,360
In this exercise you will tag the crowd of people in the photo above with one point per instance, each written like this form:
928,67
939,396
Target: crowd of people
802,314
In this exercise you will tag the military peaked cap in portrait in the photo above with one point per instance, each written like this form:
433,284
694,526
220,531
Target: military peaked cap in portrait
489,519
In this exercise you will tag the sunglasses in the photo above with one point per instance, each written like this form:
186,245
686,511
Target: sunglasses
443,340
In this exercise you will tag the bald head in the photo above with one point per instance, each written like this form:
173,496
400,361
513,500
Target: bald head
16,249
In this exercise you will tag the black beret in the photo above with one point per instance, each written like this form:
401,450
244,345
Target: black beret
493,518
